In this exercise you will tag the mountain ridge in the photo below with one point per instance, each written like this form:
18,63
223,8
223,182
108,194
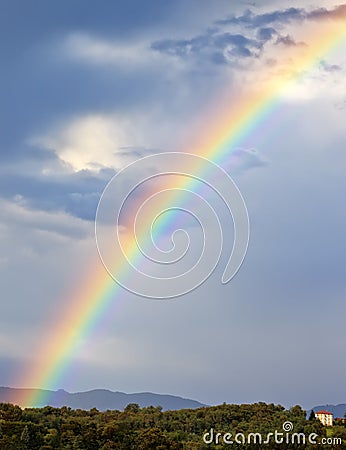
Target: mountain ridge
338,411
102,399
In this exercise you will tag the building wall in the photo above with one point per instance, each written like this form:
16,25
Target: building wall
326,419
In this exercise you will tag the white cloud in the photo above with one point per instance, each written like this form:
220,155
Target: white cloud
28,235
88,142
45,255
107,53
94,50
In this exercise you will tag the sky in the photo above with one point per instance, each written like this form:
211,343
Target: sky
86,89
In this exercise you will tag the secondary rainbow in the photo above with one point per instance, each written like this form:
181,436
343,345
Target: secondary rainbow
89,304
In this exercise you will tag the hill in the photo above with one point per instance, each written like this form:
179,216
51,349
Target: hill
336,410
101,399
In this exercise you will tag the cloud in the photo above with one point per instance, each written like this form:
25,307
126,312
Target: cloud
266,34
225,47
101,51
288,41
19,217
67,168
252,20
253,42
330,67
95,142
337,13
219,48
89,142
54,186
284,17
130,153
250,159
244,159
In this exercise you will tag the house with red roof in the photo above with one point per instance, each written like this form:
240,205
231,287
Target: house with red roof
325,417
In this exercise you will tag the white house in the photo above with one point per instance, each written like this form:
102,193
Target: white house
325,417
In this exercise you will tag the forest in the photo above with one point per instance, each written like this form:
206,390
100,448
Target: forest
151,428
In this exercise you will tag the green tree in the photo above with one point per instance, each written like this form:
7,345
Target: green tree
25,437
154,438
11,413
109,445
132,408
51,439
312,415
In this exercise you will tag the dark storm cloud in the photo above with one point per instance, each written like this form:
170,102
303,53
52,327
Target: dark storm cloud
288,41
41,86
265,34
252,20
283,17
217,47
337,13
43,89
61,189
38,87
229,48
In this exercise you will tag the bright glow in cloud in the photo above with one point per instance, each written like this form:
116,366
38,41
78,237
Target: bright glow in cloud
89,142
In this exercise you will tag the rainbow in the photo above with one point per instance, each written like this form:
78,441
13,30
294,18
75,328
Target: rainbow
88,305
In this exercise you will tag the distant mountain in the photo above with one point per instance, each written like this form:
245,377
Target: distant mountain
101,399
336,410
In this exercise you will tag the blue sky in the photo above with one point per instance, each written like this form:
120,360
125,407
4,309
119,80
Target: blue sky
88,88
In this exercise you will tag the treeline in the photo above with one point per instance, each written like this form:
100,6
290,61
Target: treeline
150,428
